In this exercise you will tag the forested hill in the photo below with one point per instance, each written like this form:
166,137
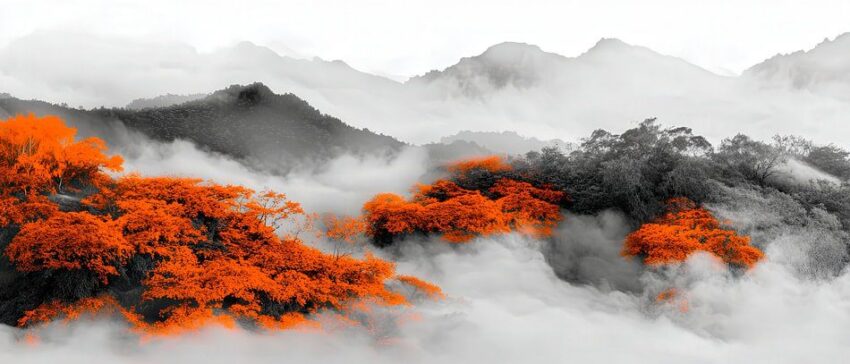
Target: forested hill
250,122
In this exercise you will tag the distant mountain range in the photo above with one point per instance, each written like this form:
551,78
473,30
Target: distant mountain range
823,70
506,142
509,86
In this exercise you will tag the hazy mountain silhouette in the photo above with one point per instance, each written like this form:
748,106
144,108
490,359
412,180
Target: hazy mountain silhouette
825,69
507,142
506,64
509,86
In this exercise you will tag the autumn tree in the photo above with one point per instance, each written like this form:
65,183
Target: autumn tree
38,158
40,155
343,231
478,201
685,229
70,240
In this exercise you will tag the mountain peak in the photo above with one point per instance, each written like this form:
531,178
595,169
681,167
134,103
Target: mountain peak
507,63
252,94
840,40
509,50
824,69
610,43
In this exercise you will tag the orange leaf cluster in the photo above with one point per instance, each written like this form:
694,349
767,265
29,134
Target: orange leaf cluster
687,228
212,250
70,240
492,164
429,290
671,296
344,228
460,214
38,157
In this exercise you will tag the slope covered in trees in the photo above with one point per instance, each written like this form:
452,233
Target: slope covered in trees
460,211
166,253
669,184
250,123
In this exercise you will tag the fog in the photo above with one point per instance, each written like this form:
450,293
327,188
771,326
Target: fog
341,185
506,305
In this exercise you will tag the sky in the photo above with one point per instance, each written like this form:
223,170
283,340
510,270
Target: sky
406,38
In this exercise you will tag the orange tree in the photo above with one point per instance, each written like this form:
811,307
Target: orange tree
481,199
168,253
685,229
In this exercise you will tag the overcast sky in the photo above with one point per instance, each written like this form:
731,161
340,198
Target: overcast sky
411,37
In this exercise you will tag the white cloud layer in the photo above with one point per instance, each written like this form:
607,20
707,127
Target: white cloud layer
506,305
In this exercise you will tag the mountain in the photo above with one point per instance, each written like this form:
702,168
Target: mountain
506,142
520,87
112,72
250,123
825,69
3,113
508,64
163,101
447,152
523,66
509,86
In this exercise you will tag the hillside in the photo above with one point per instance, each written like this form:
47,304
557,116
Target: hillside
250,123
163,101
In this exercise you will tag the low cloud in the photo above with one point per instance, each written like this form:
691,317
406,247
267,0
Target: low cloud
505,304
341,185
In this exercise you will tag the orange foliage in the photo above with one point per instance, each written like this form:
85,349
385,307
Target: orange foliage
429,290
671,296
213,251
38,157
55,309
666,295
234,260
345,229
70,240
272,208
460,214
687,228
493,164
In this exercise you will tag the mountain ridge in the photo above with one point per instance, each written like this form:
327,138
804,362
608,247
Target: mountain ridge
246,122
